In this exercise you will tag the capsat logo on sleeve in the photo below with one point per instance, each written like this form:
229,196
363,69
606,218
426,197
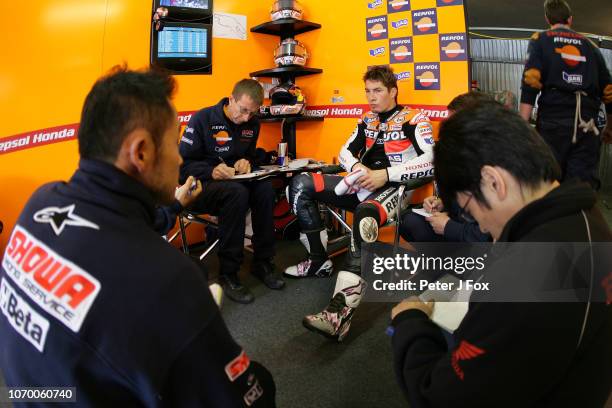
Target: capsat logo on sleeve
395,6
427,76
376,28
57,285
442,3
453,47
400,50
425,21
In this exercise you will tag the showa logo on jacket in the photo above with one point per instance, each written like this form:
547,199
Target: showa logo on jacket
57,285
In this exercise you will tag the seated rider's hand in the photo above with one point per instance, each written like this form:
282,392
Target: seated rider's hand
373,179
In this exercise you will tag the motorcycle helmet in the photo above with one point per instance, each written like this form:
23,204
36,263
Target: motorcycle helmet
290,52
286,9
287,99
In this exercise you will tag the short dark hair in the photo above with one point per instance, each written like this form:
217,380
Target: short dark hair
250,88
469,99
120,102
557,11
382,73
489,134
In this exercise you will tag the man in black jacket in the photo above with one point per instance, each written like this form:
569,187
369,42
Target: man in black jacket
513,354
93,298
219,142
570,74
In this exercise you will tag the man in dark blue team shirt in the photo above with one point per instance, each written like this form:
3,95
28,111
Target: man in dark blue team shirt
93,298
218,143
570,74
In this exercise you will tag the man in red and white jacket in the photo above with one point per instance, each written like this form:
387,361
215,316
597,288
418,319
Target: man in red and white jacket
391,143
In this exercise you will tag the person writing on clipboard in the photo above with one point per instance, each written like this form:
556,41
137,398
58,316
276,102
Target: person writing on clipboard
219,143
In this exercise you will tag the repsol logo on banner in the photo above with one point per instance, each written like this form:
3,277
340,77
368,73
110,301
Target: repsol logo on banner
376,20
424,13
454,37
57,285
14,144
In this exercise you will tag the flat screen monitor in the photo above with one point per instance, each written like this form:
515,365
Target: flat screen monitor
183,47
186,10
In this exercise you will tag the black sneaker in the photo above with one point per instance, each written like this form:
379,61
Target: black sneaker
234,290
264,271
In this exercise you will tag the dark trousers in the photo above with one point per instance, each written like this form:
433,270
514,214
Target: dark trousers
415,228
230,201
308,189
579,160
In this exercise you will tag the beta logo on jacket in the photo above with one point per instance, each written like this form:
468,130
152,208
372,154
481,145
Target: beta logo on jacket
395,6
425,21
453,47
376,28
57,285
400,50
427,76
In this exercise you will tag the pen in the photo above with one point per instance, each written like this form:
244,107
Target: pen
221,160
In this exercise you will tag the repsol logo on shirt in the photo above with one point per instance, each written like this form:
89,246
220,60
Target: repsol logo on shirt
564,40
57,285
418,174
395,135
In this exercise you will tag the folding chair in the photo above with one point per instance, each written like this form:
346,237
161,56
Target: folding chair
186,218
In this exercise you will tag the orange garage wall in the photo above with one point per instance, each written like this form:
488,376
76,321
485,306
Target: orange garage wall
59,47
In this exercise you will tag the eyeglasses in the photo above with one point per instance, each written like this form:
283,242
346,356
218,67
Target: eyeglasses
463,213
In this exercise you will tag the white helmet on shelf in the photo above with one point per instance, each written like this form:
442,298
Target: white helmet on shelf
286,9
290,52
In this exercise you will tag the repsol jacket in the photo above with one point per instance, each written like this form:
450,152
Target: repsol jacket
521,354
93,298
406,138
211,137
560,62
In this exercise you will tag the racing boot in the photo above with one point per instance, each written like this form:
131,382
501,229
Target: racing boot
317,264
335,320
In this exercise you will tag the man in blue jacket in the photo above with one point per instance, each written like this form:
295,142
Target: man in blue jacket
93,298
219,142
